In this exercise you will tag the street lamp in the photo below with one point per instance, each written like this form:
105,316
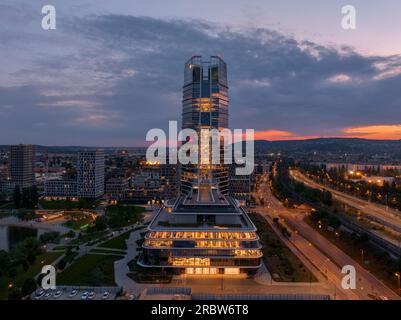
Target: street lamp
362,252
398,275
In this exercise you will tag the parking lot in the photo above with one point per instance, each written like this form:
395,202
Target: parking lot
76,293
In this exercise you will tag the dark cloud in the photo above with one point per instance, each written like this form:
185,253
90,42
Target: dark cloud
108,79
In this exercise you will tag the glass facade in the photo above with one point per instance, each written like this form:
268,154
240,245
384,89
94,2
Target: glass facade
203,231
205,106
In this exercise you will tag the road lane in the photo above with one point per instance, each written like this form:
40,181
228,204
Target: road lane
321,252
387,216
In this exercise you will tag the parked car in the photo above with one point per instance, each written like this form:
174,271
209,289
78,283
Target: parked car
47,295
91,295
57,294
73,293
85,295
39,294
105,295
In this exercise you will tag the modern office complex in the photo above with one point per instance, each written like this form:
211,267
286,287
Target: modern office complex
90,174
205,106
239,185
22,164
203,231
89,182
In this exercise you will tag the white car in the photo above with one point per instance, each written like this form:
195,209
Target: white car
39,294
73,293
85,295
47,295
58,294
105,295
91,295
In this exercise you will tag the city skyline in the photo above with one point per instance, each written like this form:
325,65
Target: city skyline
286,85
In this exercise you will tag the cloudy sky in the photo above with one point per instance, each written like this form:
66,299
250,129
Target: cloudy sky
112,70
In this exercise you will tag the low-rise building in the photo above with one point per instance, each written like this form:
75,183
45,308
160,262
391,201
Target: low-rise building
116,188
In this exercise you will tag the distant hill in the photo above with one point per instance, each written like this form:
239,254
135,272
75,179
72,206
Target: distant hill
352,145
329,145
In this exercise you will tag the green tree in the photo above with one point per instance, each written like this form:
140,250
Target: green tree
17,197
28,287
5,262
14,294
100,223
28,249
51,236
61,264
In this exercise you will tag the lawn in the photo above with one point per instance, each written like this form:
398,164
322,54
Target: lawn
117,242
123,215
88,237
34,269
9,205
77,224
90,270
66,204
277,257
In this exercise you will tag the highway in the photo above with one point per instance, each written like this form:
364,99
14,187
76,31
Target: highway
320,252
391,218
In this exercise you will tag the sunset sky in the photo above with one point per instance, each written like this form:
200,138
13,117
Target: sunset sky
112,70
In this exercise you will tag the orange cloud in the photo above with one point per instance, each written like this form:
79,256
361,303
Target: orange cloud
378,132
279,135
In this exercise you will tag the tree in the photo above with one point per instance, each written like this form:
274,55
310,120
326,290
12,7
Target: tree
100,223
61,264
5,262
70,234
25,265
12,272
28,249
51,236
28,287
30,197
14,294
17,197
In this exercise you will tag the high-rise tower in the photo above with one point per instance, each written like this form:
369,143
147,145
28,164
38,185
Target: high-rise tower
205,106
203,231
22,163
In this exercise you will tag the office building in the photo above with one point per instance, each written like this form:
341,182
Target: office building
205,106
90,174
89,182
203,231
22,164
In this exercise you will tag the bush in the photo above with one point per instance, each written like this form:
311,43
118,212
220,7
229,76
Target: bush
53,237
14,294
61,264
28,287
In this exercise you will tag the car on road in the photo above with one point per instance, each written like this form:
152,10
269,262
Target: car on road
383,298
85,295
105,295
73,293
57,294
91,295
